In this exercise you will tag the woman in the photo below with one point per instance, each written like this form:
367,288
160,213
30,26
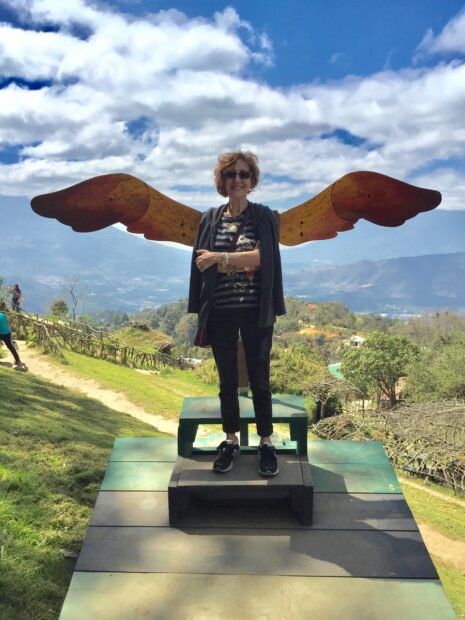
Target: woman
16,298
236,285
5,336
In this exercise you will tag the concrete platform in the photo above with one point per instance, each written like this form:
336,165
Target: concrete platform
234,551
349,511
362,558
170,596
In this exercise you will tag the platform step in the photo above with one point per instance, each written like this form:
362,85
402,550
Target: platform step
362,557
158,596
194,477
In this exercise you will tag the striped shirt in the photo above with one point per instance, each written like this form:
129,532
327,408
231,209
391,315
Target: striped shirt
238,289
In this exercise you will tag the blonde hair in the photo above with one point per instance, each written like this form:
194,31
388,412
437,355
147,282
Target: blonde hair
229,159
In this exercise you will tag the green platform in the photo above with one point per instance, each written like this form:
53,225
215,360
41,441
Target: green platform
362,558
168,596
287,409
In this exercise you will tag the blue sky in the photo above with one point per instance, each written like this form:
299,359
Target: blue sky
326,40
158,89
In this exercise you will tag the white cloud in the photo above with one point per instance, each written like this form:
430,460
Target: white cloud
339,58
450,40
33,55
182,82
449,182
65,14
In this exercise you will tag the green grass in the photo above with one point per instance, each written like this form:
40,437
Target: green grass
453,581
445,517
161,394
145,340
54,447
448,519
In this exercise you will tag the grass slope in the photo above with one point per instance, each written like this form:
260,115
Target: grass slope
54,447
160,394
149,340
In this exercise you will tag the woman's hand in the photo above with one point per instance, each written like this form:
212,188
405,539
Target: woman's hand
248,261
206,259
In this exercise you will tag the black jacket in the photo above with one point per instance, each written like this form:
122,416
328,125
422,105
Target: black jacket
202,284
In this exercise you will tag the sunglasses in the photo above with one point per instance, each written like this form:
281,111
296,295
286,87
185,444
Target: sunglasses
232,174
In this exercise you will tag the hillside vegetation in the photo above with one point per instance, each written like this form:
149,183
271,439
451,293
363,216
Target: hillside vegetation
160,392
148,340
54,447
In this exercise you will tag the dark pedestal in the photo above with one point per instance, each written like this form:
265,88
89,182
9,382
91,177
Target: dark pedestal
194,478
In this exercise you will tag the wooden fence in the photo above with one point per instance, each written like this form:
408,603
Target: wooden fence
54,337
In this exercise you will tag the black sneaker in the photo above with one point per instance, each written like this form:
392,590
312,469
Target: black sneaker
227,452
268,463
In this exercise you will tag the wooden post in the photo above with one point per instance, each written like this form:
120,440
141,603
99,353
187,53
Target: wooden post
242,368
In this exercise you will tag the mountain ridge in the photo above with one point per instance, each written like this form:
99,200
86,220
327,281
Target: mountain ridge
126,272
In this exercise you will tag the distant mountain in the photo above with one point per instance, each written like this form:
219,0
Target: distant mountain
124,272
115,269
434,232
397,285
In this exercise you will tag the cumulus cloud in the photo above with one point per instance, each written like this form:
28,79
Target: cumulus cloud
450,40
160,96
450,182
65,14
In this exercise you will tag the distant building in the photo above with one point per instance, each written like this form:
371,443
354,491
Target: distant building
355,341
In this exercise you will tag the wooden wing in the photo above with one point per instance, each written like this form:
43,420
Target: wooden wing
108,199
105,200
375,197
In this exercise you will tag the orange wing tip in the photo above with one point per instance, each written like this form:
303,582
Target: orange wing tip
96,203
380,199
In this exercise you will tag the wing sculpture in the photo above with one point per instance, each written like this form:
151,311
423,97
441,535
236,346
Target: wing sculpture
105,200
375,197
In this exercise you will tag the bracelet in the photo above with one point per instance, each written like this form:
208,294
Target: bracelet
226,263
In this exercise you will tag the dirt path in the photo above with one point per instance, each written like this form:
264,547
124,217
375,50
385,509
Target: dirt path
38,365
425,489
446,550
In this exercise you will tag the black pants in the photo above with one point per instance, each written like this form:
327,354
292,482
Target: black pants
223,330
7,340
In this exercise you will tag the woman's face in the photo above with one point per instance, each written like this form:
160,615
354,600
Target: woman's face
236,186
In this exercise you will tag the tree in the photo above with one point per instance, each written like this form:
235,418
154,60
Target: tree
295,368
77,293
439,373
373,322
184,331
59,308
430,327
380,363
335,313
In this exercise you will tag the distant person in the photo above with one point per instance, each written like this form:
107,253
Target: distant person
17,298
5,336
